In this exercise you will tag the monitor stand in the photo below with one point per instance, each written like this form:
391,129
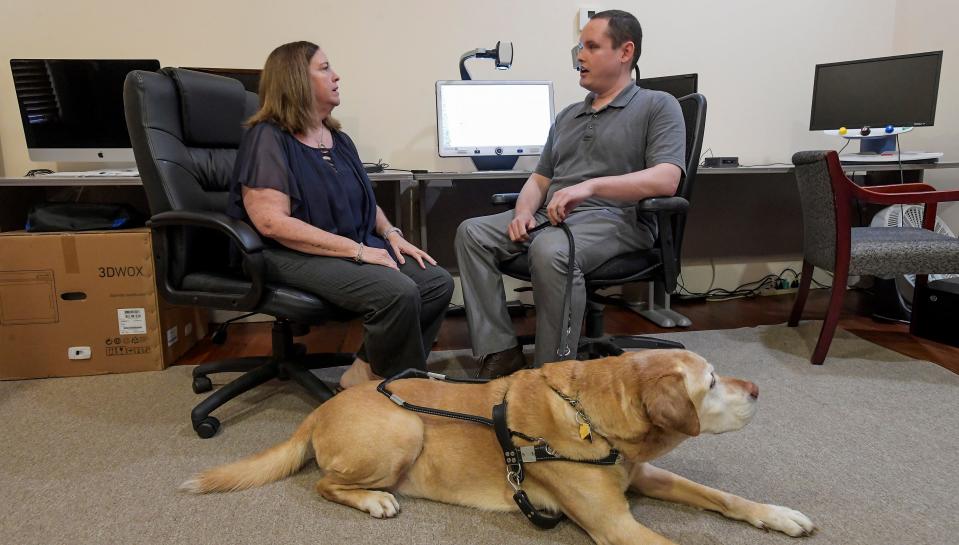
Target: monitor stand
495,162
882,149
890,157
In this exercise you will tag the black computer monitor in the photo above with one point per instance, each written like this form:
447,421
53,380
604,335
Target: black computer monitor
900,91
249,77
72,110
678,86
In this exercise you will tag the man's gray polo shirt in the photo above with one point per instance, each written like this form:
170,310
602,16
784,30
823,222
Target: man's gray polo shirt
639,129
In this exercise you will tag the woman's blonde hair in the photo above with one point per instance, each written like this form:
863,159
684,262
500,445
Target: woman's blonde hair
286,95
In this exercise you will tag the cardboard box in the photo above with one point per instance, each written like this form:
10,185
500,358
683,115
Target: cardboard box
85,304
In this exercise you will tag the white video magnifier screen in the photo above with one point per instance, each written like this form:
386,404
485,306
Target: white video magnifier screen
491,115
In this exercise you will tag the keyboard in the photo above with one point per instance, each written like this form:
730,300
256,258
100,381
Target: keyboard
104,173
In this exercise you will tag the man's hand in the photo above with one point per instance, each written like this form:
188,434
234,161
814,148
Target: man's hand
565,200
402,246
518,229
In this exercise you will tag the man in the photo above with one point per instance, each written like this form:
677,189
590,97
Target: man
620,145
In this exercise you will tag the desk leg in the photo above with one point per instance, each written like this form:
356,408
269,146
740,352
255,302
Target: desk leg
420,198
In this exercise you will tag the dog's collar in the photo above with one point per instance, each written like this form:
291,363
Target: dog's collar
586,428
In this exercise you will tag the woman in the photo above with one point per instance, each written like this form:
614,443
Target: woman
299,181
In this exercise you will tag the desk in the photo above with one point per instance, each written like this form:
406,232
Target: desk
740,214
445,199
788,169
758,213
393,191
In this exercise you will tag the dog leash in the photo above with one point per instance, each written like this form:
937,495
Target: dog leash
539,451
566,319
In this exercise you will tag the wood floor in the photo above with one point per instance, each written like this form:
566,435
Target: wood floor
254,339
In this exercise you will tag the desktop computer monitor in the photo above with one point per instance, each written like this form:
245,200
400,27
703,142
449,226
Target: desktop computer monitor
72,110
900,91
876,100
493,122
678,86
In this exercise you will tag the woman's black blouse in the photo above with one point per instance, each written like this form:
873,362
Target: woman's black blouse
333,194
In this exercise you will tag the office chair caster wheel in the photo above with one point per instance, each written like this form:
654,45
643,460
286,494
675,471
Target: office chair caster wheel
219,336
202,384
207,427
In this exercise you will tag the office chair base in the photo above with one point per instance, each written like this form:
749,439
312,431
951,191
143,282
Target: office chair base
664,317
289,361
230,365
297,369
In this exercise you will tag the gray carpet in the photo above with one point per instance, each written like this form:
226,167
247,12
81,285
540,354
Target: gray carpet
866,446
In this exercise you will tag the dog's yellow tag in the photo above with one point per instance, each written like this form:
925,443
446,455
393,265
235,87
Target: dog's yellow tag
584,432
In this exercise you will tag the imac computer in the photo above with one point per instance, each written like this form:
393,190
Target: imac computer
72,110
678,86
874,101
493,122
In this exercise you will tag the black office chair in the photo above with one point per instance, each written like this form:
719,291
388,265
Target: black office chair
661,263
185,128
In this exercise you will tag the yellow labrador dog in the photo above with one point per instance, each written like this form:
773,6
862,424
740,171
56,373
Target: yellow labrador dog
642,404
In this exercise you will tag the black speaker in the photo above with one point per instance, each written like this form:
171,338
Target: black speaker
935,310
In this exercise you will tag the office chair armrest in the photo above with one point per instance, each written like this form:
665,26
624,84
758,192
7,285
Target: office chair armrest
240,233
904,194
508,199
665,208
901,188
663,204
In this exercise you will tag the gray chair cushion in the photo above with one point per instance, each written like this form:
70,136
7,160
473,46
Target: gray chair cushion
628,267
888,251
283,301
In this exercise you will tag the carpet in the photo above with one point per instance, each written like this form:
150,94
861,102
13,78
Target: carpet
865,445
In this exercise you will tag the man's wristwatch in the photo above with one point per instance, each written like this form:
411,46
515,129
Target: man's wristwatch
390,231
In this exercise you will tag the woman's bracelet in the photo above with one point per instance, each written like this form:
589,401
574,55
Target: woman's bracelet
390,231
359,254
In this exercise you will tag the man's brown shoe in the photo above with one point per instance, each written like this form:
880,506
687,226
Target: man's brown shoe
500,364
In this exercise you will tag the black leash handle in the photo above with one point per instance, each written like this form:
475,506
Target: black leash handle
417,373
537,517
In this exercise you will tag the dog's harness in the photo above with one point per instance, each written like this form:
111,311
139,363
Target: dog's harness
539,451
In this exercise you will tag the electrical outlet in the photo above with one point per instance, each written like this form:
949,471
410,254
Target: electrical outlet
79,352
781,291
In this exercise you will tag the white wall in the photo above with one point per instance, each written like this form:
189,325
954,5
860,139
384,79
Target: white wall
755,58
930,25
